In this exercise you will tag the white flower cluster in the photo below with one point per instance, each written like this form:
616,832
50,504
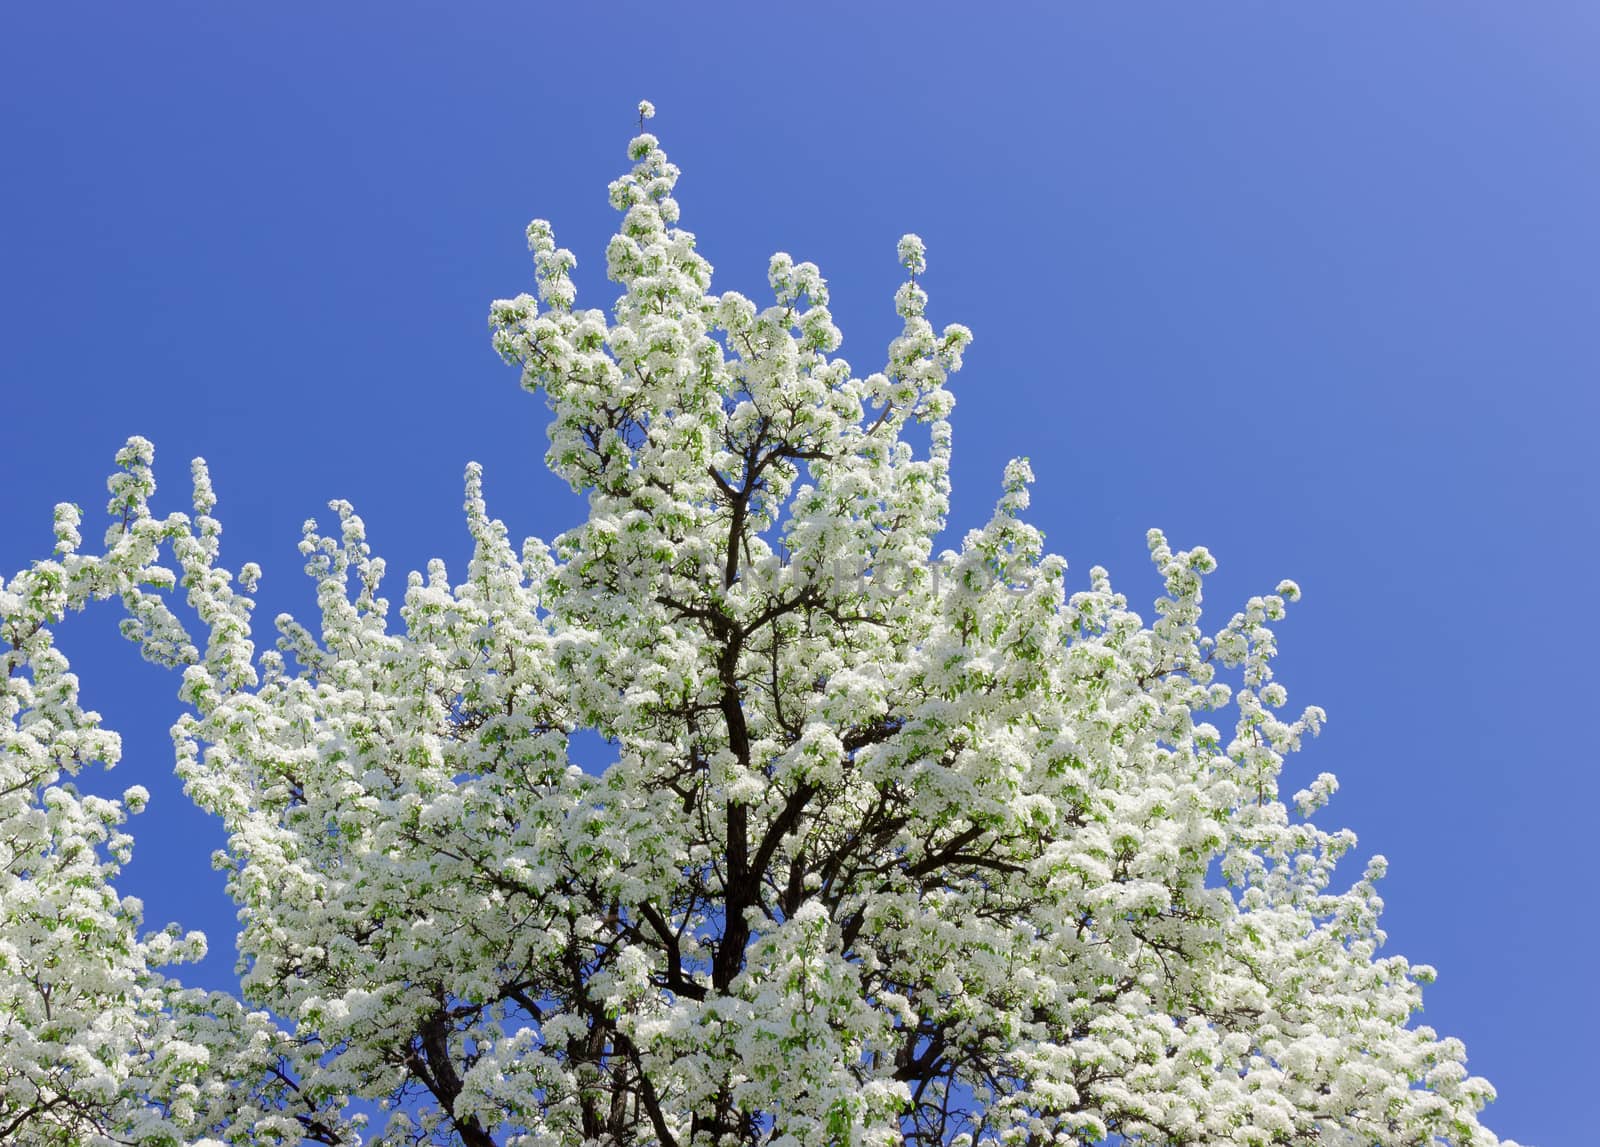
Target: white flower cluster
97,1046
910,860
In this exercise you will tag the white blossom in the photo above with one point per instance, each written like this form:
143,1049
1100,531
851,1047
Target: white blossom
889,851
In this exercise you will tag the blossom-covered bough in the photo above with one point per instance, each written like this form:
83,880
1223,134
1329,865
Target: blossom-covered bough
896,848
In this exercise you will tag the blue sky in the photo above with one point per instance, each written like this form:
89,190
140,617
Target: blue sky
1313,285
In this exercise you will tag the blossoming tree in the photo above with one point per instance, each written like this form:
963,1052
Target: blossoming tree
896,848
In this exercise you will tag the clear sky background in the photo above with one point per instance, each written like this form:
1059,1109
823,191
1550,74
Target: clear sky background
1312,284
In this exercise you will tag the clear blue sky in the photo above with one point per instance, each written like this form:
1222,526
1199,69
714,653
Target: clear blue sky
1311,284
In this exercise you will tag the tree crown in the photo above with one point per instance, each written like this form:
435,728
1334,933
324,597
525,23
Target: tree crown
896,848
